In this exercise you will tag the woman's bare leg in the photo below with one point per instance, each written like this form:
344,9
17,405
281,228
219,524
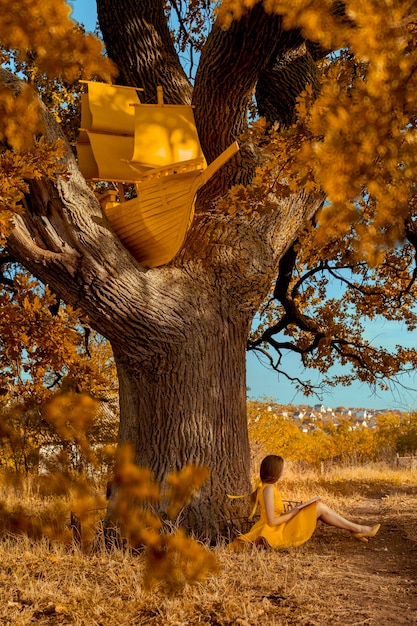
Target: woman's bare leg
330,517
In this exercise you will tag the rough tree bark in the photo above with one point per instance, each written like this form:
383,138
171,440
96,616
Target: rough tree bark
178,332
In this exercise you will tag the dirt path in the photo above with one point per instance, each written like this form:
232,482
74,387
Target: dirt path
377,583
336,580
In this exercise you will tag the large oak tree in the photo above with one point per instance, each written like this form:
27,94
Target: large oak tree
179,332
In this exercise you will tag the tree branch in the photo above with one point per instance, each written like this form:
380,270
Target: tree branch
411,234
22,240
230,65
138,40
305,385
6,258
283,80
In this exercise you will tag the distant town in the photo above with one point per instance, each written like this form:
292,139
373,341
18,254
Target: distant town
311,417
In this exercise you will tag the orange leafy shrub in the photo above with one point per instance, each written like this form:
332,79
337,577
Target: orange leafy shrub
171,557
69,503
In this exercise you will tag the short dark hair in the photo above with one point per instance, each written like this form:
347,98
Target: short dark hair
271,468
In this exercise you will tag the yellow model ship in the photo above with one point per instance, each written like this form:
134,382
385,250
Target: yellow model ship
155,147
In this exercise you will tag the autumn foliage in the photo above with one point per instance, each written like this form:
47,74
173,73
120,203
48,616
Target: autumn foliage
55,372
322,441
352,142
40,35
171,556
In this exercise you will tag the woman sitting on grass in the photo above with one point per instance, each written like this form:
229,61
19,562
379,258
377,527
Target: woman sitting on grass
282,530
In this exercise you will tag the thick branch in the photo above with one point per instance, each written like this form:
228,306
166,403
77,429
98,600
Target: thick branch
292,313
138,40
283,80
411,234
22,240
230,65
293,67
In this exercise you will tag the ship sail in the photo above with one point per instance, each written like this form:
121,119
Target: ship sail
157,148
165,135
106,141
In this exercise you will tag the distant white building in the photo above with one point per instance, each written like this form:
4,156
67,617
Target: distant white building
298,415
362,418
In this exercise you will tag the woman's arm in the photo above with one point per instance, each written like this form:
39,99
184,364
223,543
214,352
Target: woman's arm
268,495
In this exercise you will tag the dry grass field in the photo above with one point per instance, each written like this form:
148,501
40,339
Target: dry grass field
333,579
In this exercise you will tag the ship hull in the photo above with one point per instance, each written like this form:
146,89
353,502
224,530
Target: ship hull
153,225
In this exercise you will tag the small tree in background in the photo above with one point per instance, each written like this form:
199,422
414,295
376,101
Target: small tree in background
46,353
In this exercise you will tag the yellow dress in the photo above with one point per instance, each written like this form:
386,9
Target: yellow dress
296,531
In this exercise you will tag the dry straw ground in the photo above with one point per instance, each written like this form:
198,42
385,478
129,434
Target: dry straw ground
333,579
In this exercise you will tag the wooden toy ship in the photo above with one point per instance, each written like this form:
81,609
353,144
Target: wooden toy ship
156,148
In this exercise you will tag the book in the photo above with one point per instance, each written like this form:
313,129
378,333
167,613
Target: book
303,504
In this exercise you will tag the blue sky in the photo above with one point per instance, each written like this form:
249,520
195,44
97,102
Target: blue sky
84,11
265,383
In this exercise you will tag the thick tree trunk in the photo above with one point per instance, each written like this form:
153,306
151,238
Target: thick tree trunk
191,408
